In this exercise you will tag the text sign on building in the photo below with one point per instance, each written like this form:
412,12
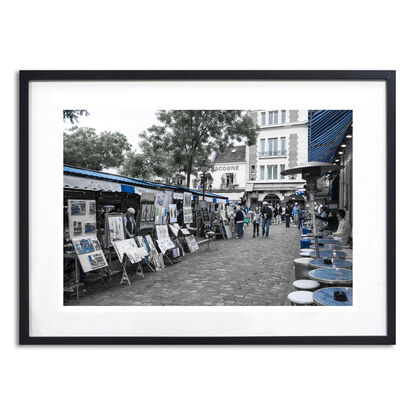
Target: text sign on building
226,168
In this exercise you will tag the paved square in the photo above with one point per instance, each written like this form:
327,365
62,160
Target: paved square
240,272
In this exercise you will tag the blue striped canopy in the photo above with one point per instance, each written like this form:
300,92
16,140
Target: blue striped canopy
326,131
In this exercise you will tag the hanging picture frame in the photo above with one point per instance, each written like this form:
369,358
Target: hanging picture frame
371,96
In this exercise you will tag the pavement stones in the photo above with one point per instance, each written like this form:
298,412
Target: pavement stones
241,272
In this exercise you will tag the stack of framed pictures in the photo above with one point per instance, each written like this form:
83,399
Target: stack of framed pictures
129,247
83,233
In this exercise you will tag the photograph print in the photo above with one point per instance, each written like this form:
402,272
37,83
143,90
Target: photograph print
264,198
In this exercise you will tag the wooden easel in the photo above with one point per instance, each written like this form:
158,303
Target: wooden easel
124,276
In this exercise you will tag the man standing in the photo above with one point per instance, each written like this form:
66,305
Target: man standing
266,218
287,216
239,221
129,222
295,213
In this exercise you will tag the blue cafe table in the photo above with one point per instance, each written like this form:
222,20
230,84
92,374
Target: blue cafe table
337,263
326,246
332,276
329,253
323,240
325,296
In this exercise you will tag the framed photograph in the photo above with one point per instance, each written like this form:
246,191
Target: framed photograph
297,166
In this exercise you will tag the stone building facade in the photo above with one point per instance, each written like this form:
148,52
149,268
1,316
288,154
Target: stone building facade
252,174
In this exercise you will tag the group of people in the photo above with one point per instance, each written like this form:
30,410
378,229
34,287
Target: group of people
263,216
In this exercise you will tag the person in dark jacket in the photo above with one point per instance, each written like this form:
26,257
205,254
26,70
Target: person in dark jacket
129,222
266,218
239,221
288,211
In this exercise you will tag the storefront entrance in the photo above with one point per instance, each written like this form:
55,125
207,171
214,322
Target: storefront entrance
272,199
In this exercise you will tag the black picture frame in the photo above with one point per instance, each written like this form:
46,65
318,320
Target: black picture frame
389,77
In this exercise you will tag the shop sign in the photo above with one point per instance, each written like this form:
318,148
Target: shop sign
226,168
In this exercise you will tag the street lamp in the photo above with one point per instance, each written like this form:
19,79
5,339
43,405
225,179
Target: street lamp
310,172
204,167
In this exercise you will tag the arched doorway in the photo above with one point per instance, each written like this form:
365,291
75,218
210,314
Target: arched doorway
272,199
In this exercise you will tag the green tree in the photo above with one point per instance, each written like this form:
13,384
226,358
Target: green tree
84,148
137,165
73,115
186,138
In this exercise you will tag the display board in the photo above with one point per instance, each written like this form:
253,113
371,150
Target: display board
147,215
203,206
187,201
89,253
82,217
163,240
83,232
187,215
129,247
114,228
192,243
161,206
172,213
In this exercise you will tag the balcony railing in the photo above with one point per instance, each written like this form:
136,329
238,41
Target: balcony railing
275,153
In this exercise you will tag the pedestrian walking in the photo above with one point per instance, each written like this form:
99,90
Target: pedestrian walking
300,218
279,214
256,219
239,221
295,213
287,216
266,218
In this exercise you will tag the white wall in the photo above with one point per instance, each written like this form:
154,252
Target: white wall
237,169
189,35
278,131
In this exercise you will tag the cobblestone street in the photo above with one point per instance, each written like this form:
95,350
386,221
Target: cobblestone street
248,272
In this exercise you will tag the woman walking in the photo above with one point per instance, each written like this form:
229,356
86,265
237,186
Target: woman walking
256,219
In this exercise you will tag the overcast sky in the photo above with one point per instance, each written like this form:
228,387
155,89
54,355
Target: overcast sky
127,122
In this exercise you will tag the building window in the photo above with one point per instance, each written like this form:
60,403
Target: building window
275,172
272,147
263,118
283,146
273,117
269,169
272,172
282,168
262,148
283,116
262,172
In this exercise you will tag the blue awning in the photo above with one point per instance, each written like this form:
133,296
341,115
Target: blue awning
326,131
128,183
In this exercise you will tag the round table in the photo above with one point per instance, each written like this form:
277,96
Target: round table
337,263
324,296
326,246
332,275
329,253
